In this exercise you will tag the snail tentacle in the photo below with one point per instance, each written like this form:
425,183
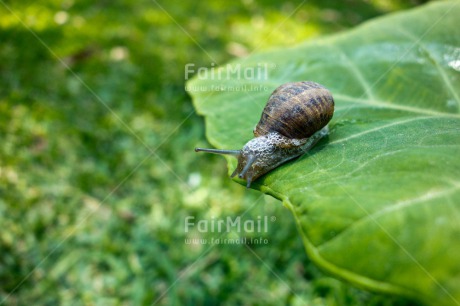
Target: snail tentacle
251,160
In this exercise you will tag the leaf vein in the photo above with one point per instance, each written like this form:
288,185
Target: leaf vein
437,64
397,206
385,104
378,129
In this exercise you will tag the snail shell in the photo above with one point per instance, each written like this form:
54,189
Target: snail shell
293,121
296,110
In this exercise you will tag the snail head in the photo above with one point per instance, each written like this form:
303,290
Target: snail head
260,155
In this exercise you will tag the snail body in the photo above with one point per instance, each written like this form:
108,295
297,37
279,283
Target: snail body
293,121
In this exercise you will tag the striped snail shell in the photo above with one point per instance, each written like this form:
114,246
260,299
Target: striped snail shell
293,121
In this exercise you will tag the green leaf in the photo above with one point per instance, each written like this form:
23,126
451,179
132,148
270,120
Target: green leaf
378,201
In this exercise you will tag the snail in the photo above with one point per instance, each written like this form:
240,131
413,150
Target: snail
293,121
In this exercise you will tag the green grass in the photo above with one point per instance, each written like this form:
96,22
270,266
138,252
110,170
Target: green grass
97,169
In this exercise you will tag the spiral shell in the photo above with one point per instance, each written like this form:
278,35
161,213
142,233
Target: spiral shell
296,110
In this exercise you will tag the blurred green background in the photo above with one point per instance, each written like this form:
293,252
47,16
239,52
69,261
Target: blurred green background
97,168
